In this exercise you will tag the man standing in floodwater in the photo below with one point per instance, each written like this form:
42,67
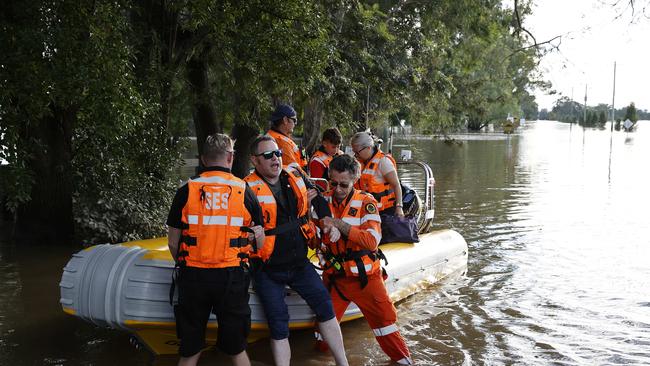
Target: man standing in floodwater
286,202
209,225
353,272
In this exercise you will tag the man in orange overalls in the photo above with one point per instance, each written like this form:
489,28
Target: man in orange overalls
353,272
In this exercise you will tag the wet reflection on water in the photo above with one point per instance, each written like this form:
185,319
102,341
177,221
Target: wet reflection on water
558,271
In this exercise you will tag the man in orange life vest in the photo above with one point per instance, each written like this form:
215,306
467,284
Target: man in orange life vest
378,174
210,225
283,121
320,160
352,269
283,261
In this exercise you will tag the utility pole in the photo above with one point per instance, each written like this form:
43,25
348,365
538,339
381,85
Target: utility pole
584,122
367,104
613,95
572,107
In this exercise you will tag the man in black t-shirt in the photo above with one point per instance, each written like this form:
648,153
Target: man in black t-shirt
212,276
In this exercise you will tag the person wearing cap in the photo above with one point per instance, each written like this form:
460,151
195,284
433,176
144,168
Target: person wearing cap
283,120
320,160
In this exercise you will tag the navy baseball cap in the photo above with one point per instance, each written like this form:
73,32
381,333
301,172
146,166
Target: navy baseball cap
281,111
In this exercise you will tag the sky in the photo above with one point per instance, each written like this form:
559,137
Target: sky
592,40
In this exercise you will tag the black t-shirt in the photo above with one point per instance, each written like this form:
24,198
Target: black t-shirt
290,249
180,199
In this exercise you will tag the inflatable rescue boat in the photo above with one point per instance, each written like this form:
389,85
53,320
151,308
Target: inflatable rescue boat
126,286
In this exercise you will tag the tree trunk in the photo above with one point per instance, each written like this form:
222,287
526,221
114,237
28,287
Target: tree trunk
48,217
314,113
243,135
203,111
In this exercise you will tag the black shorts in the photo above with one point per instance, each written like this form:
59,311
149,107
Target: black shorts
221,291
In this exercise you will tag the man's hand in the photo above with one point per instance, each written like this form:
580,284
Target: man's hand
399,211
258,235
334,234
329,223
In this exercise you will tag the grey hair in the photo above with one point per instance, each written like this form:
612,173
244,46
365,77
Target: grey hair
362,139
216,146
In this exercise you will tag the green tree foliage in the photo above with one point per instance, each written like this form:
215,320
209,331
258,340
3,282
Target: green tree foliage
630,113
96,98
566,110
77,133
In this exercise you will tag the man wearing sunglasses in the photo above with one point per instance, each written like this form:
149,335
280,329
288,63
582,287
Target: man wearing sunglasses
352,270
286,201
283,121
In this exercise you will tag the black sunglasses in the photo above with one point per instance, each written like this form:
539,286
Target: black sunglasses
269,154
335,184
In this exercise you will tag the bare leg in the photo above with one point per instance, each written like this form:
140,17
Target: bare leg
240,359
281,351
331,332
189,361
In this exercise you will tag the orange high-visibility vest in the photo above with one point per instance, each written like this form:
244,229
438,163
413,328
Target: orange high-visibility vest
376,186
215,214
356,260
270,209
292,155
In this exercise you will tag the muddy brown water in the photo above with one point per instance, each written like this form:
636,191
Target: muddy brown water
559,269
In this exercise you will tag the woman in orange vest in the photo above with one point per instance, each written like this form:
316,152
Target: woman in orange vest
352,269
283,121
378,174
320,160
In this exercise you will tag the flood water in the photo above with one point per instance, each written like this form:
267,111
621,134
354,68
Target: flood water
559,264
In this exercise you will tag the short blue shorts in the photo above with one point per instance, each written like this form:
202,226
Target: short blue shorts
270,287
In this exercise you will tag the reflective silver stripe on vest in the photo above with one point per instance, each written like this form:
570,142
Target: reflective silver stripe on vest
300,183
384,331
375,235
368,267
254,183
218,180
293,165
266,199
370,217
215,220
354,221
356,203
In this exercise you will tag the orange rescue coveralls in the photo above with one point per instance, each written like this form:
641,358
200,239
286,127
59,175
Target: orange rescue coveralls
356,254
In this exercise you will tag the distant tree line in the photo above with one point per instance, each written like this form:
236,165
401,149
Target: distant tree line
566,110
97,98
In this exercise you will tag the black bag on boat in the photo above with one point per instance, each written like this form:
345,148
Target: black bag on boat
395,229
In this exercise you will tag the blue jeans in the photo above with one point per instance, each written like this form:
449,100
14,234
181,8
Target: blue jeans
270,287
